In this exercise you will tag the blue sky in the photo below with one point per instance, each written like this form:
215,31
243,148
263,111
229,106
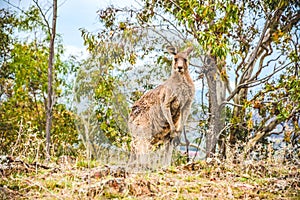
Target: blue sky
75,14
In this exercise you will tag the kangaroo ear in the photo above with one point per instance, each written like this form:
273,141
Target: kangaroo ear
189,50
172,50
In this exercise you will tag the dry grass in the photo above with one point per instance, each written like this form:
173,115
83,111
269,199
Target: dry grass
71,179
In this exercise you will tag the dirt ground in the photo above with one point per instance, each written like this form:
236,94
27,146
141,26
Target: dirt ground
197,180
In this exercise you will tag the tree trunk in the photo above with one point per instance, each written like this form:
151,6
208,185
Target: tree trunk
50,80
217,92
238,115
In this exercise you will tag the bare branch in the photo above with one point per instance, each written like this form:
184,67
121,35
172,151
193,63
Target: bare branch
293,21
266,78
254,83
14,6
265,131
197,66
253,56
161,35
260,67
44,16
175,27
21,10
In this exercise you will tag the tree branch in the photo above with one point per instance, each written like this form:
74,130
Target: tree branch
255,82
260,67
253,56
44,16
265,131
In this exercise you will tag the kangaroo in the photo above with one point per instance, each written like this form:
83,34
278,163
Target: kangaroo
159,116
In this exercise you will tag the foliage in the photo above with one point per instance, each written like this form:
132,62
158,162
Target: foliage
126,59
209,22
115,57
110,110
255,46
280,103
24,77
101,111
244,45
246,58
65,140
8,21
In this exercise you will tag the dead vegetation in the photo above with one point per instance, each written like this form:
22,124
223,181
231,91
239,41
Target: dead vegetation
198,180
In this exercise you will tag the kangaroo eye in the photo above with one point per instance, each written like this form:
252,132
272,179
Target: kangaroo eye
175,59
185,60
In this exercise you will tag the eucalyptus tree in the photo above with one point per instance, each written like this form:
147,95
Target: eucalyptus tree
86,83
49,108
24,85
246,48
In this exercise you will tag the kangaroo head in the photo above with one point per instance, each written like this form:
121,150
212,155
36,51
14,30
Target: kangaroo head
180,61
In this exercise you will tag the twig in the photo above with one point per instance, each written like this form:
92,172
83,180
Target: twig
43,15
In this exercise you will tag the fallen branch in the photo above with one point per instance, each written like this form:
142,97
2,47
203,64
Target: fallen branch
9,163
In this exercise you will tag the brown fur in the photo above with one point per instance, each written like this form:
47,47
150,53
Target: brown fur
160,114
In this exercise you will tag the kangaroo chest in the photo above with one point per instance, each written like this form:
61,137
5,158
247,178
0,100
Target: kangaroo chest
183,93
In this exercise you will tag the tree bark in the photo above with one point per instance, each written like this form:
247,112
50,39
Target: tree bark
217,92
50,80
